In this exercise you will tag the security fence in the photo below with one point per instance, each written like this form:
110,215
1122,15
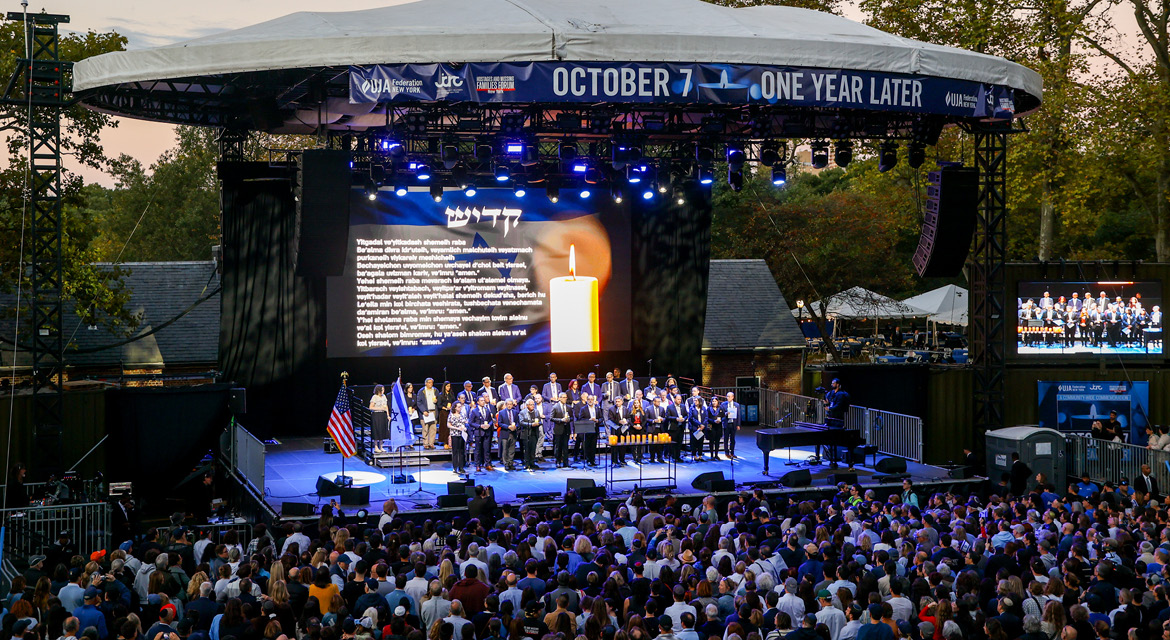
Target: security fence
1111,461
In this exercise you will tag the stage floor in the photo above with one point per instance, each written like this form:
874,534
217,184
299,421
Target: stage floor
293,466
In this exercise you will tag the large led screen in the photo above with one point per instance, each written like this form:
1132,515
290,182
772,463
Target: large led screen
1057,318
483,274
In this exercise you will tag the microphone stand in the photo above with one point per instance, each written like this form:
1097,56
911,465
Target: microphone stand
418,459
650,367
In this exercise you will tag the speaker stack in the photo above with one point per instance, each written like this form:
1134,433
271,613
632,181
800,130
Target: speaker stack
952,203
324,182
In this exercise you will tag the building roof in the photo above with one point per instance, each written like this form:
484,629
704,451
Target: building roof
745,309
159,291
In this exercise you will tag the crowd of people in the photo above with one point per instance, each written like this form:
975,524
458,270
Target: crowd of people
1087,564
504,423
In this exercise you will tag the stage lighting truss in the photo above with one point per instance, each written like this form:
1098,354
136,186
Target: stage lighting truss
625,164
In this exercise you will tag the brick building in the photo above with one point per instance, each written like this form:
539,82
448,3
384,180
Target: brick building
749,329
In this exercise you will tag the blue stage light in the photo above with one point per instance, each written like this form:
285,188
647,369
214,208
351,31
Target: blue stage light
503,173
469,191
585,193
520,191
400,190
648,194
422,171
514,148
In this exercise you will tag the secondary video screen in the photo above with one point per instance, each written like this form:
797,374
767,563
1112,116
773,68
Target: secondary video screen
483,274
1089,318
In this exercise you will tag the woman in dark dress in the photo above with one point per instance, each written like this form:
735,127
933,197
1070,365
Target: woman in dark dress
380,418
447,397
412,410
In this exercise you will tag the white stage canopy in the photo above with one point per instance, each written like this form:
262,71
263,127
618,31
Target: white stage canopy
859,303
433,31
947,305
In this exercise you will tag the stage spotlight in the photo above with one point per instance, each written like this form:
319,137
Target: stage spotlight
400,190
459,175
917,155
704,154
735,158
779,175
567,151
553,193
437,192
531,155
450,156
635,173
843,153
585,193
625,155
771,153
887,156
735,180
503,173
615,192
593,175
371,189
483,153
706,175
519,190
469,190
648,194
580,168
512,123
679,195
422,171
513,148
820,154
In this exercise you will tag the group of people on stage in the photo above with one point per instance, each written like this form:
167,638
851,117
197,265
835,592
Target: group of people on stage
1087,321
571,416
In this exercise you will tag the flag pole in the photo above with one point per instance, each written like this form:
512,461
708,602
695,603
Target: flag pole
341,480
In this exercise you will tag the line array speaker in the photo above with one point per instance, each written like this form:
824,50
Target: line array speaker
952,203
322,225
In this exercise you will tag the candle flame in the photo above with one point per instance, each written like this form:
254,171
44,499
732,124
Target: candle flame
572,261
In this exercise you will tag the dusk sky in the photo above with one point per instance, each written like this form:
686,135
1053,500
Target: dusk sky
150,23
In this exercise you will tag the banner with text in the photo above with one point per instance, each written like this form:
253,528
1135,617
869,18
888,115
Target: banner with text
488,274
1076,405
674,83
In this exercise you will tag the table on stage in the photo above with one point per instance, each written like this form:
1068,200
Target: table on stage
628,448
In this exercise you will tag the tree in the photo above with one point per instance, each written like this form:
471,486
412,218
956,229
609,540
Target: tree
96,292
830,6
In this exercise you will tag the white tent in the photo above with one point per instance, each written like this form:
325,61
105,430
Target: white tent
432,31
861,303
947,305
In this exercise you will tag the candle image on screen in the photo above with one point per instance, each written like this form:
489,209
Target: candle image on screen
575,318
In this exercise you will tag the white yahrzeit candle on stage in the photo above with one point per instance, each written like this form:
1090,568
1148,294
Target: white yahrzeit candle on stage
575,318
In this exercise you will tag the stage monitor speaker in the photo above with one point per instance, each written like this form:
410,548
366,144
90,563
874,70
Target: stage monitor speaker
577,483
591,493
721,486
238,401
327,487
355,495
952,202
890,465
296,509
452,501
848,477
702,482
465,487
323,187
798,478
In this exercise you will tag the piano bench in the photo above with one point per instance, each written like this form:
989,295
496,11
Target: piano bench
862,451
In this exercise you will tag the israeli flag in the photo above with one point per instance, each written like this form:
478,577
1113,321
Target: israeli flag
400,431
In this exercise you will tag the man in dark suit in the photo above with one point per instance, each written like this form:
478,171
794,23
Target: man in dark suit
509,422
483,505
1147,483
532,422
629,385
552,389
732,421
610,389
655,424
468,396
490,390
591,412
651,389
480,426
562,418
676,417
509,391
592,387
1019,476
617,422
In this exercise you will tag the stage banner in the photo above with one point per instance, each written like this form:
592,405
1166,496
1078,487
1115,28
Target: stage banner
674,83
1074,406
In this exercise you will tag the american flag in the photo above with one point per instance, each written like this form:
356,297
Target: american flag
341,424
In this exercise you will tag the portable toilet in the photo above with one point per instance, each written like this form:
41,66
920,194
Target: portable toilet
1041,448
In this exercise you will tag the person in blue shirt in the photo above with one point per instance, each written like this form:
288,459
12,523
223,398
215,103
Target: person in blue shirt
89,615
1086,487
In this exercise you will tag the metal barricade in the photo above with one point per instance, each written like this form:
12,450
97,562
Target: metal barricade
895,434
30,530
1110,461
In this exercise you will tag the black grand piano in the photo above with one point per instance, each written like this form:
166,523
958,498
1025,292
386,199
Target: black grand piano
804,434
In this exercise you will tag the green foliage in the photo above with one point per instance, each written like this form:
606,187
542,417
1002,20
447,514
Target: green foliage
831,6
